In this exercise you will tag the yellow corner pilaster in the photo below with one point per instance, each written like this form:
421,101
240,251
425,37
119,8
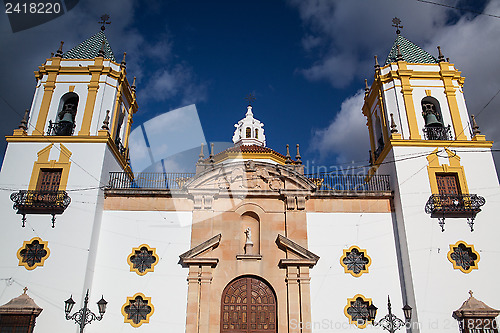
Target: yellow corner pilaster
451,97
366,110
93,86
128,127
48,91
404,75
385,132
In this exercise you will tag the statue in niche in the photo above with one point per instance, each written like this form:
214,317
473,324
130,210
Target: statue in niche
248,233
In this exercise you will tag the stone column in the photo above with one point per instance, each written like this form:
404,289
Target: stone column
292,283
192,311
305,299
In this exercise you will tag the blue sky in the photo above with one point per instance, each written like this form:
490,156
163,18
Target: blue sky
305,61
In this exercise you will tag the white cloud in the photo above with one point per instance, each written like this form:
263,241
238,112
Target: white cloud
353,36
347,134
346,34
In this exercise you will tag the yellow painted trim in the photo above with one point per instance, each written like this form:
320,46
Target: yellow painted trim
451,96
427,92
58,139
128,127
406,89
48,91
346,269
385,131
71,88
96,71
118,105
455,266
42,261
440,143
454,167
131,264
43,163
349,300
103,137
369,123
125,315
236,155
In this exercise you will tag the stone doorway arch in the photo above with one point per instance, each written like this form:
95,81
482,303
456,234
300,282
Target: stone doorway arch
248,305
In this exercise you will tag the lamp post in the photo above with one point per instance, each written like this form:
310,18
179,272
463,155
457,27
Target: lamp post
84,316
390,322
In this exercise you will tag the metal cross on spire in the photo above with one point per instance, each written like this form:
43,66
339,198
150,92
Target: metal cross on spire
396,23
250,98
104,21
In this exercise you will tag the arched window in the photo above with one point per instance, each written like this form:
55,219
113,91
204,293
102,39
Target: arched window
248,305
249,132
431,112
65,119
256,133
434,126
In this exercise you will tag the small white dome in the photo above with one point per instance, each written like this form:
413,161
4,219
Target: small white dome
249,131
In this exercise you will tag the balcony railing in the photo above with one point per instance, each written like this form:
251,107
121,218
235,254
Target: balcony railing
454,205
40,202
437,133
177,180
149,180
63,128
336,182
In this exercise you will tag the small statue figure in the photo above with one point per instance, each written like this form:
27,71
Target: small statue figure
248,233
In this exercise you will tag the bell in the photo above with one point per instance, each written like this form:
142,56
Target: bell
67,118
432,121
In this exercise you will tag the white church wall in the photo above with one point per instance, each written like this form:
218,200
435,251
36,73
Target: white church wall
439,288
169,233
70,242
328,235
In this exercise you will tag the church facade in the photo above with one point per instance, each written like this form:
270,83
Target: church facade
249,242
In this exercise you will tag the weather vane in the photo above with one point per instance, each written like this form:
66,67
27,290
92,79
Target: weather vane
250,98
104,21
396,23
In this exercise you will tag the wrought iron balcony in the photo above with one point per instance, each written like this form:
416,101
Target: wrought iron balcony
356,183
61,128
149,180
437,133
40,202
454,205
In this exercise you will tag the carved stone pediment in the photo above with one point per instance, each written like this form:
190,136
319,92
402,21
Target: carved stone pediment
249,177
195,255
304,257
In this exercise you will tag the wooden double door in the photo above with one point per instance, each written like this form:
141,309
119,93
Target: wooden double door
248,305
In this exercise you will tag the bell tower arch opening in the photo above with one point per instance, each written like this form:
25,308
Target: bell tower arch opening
64,123
248,304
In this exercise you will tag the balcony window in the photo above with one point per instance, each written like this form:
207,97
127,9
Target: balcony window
450,202
45,199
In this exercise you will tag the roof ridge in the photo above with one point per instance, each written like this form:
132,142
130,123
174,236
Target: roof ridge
411,52
89,48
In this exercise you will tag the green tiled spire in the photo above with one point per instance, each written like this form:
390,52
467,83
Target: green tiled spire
411,53
89,49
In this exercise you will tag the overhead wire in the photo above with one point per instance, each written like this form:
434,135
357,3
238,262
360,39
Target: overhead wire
458,8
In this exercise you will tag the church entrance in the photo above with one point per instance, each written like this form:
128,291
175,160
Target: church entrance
248,306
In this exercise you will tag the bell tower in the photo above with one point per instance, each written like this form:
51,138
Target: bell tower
56,166
442,173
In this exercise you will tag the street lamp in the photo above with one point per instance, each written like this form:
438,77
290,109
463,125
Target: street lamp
390,322
84,316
